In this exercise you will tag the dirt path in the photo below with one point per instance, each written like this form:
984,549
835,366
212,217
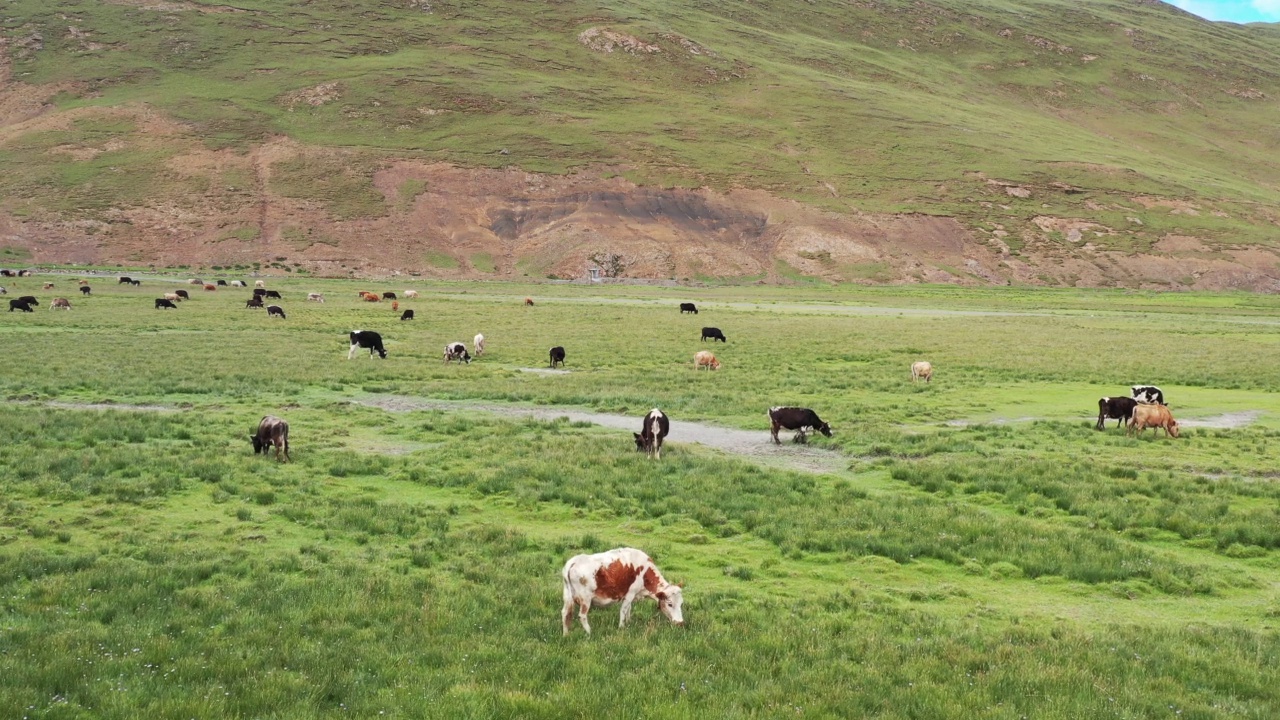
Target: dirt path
752,444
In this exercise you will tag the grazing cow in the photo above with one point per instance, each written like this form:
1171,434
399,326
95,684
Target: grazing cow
407,315
477,344
172,297
411,293
713,333
702,358
47,286
528,302
688,307
182,294
82,282
85,290
1151,415
259,292
654,429
456,351
259,284
557,356
222,283
135,283
315,297
6,273
162,303
210,287
921,369
275,310
254,302
794,418
619,575
372,297
395,305
24,273
1119,408
18,304
238,283
366,339
30,300
272,432
63,303
124,280
3,290
388,296
1148,394
194,281
273,295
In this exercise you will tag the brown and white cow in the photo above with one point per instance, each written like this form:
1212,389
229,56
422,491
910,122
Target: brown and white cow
63,303
655,428
272,431
921,370
619,575
702,358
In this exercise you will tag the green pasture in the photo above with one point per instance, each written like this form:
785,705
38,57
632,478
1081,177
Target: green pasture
971,547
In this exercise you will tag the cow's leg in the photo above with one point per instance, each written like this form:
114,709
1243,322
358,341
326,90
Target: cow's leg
1101,421
352,352
566,613
286,451
625,613
584,606
773,430
658,448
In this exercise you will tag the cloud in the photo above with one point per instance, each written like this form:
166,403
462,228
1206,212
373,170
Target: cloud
1269,8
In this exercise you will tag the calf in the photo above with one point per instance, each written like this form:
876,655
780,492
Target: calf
366,339
254,302
85,290
63,303
794,418
272,431
456,351
702,358
162,303
407,315
713,333
557,356
315,297
18,304
688,307
654,429
1147,394
275,310
619,575
222,283
272,295
922,369
182,294
477,344
1145,416
411,293
1119,408
30,300
388,296
528,302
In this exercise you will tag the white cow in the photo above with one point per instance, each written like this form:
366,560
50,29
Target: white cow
315,297
411,293
477,344
259,284
619,575
922,370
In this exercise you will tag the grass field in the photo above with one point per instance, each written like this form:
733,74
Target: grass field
967,548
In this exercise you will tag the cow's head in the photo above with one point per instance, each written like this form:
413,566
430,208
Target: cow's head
671,602
1173,427
640,444
825,429
258,444
382,353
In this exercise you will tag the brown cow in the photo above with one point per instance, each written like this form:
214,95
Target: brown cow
1145,416
272,431
528,302
705,359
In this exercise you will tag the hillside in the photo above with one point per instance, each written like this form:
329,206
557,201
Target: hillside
1116,142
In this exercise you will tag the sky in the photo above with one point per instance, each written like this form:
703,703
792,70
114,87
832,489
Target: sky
1241,11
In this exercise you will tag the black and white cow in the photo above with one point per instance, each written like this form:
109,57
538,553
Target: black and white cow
273,295
1148,394
1117,408
162,303
272,432
456,351
7,273
557,356
135,283
275,310
406,315
713,333
369,340
655,428
794,418
688,308
18,304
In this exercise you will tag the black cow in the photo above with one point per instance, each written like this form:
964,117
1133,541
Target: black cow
655,428
388,296
714,334
223,283
182,294
456,351
124,280
162,303
366,339
30,300
273,295
794,418
688,307
557,355
254,302
85,290
1119,408
18,304
1148,394
259,292
272,431
275,310
406,315
135,283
